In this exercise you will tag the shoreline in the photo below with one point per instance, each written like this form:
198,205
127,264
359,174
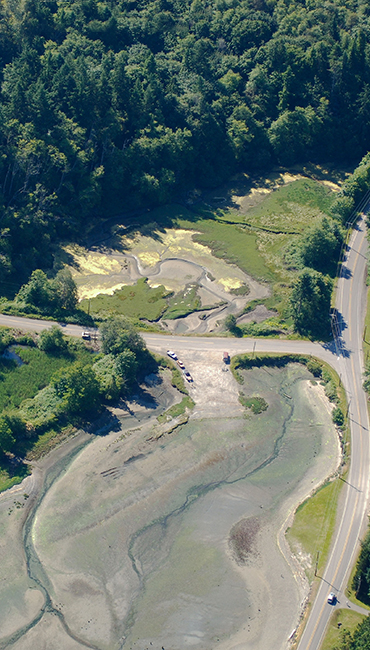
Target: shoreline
251,576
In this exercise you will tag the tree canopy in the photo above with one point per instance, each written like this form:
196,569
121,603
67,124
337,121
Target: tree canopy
79,389
310,303
111,105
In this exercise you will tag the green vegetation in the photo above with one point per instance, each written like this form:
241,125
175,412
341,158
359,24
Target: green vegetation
243,290
20,382
314,523
54,298
271,327
358,639
290,208
174,94
310,304
236,244
183,303
361,578
61,382
342,620
290,229
255,403
352,192
136,301
176,410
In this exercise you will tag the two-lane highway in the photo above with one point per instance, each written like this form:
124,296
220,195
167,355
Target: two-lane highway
350,304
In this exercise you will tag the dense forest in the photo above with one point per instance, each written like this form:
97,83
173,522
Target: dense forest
113,105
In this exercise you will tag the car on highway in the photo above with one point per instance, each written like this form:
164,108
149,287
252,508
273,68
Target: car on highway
171,354
180,364
332,599
188,377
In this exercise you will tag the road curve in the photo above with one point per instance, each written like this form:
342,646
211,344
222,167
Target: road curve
345,355
350,304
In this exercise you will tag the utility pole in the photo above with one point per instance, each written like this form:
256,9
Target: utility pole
317,562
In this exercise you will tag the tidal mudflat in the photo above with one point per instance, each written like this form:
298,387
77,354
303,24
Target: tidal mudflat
173,542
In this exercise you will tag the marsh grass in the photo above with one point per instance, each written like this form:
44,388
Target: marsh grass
18,383
291,207
48,440
255,403
257,241
235,244
176,410
183,303
136,301
24,391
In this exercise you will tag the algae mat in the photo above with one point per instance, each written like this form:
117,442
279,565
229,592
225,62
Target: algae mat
172,544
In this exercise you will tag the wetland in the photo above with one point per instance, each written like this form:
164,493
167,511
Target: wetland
132,541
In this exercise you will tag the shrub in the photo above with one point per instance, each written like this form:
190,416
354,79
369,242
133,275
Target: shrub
337,416
315,368
331,391
52,341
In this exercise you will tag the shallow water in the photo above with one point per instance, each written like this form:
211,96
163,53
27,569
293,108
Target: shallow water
133,540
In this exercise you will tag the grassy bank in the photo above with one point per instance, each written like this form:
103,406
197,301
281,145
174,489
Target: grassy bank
341,620
314,524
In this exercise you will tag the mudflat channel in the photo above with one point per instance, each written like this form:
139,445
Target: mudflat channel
139,543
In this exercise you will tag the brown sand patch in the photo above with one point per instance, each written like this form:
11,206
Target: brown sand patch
242,540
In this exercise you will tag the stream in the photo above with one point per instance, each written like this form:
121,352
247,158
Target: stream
148,524
35,569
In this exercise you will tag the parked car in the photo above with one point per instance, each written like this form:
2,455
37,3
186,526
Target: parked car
180,364
226,357
188,377
171,354
86,335
332,599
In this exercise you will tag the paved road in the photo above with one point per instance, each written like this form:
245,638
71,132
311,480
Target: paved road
350,303
346,357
